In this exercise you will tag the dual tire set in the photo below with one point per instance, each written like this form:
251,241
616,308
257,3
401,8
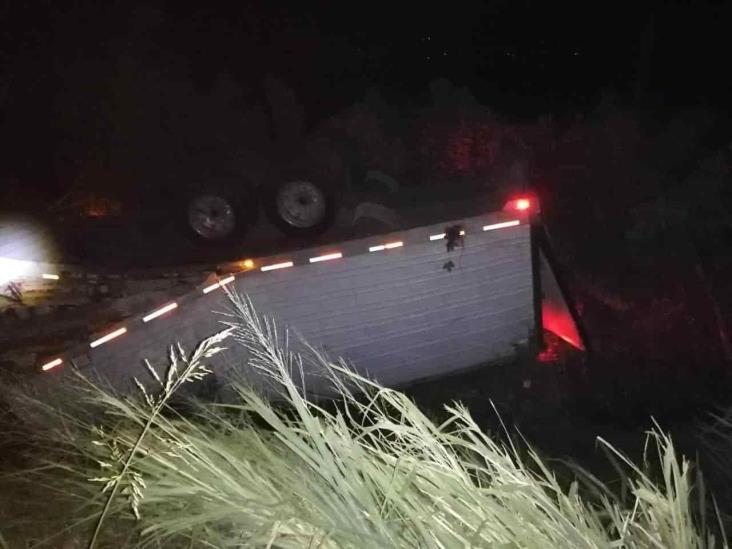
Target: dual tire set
297,207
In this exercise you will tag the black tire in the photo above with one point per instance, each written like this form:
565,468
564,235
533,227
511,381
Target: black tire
223,215
309,224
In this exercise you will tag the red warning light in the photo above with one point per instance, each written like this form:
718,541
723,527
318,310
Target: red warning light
523,204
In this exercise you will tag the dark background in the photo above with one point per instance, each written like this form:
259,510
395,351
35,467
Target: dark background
635,190
522,58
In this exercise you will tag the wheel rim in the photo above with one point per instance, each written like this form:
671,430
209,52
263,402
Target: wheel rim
211,217
301,204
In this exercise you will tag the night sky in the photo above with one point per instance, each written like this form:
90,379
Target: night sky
524,56
521,57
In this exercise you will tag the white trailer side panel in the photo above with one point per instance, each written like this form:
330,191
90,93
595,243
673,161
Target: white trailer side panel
398,315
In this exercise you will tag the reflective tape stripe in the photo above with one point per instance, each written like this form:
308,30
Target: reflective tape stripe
501,225
50,365
277,266
326,257
160,311
387,246
108,337
219,284
442,235
210,288
226,280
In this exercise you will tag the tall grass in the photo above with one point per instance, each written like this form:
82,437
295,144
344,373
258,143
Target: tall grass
368,469
715,436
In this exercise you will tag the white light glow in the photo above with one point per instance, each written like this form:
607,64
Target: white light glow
379,248
502,225
109,337
276,266
50,365
25,246
11,269
160,311
326,257
48,276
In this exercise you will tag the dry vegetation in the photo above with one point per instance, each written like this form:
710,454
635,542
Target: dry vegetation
367,470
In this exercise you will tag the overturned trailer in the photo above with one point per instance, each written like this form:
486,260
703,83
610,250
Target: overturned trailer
400,307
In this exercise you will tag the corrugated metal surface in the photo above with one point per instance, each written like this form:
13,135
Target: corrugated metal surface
397,315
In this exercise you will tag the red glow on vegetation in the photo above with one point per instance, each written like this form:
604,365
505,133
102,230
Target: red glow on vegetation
549,354
555,349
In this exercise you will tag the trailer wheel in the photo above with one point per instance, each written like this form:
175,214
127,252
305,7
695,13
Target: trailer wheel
217,215
301,207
